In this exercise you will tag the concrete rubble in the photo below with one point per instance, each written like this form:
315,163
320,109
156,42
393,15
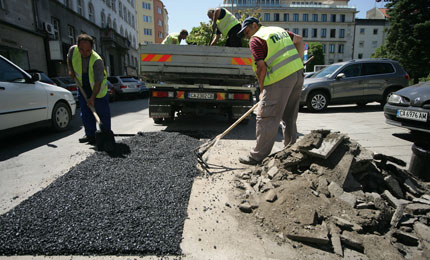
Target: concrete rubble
328,192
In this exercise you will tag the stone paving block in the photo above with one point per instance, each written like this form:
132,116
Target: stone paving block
406,238
335,240
394,186
352,240
417,208
328,145
423,231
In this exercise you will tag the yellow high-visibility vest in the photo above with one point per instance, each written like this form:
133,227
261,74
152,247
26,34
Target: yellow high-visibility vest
225,24
170,37
282,56
77,67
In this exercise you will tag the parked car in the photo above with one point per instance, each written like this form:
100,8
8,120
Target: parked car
26,102
144,91
67,83
309,74
354,81
125,85
43,76
410,108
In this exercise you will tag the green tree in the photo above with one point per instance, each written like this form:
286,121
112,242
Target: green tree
381,52
316,50
408,38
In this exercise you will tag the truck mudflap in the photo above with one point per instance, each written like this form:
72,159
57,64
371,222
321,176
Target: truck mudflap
160,111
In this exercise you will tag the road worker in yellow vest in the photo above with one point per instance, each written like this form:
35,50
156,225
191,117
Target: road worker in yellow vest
226,24
278,65
86,66
175,38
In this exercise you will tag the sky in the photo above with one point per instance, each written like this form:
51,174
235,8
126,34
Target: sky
186,14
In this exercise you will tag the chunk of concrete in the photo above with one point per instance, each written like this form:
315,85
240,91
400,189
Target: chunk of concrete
328,145
323,186
398,213
335,240
352,240
406,238
349,198
245,207
335,189
346,225
410,186
426,197
271,196
272,172
309,218
393,201
318,238
423,231
422,201
394,186
417,208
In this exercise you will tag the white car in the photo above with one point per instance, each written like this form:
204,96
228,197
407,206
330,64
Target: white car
27,102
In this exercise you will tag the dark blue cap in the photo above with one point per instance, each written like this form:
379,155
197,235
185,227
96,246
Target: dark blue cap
248,21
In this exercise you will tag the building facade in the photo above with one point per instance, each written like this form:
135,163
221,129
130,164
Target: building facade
330,23
160,21
369,35
145,21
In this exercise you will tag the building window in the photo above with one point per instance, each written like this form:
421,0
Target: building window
374,44
295,17
160,35
56,24
323,33
305,17
332,47
129,17
69,3
120,9
324,48
121,31
342,33
315,18
80,7
159,10
314,33
362,31
266,17
146,6
109,22
91,13
125,13
147,31
375,31
332,33
360,55
147,19
276,17
296,30
342,18
103,17
361,44
324,17
114,5
71,34
333,18
305,32
114,25
341,48
2,6
286,17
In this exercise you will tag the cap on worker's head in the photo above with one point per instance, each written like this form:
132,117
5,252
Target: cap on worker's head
248,21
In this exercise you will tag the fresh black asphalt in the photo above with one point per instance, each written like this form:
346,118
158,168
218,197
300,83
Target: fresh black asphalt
129,203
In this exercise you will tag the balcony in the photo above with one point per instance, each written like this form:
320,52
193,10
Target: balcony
112,39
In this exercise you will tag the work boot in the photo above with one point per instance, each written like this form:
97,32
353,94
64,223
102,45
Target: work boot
248,160
88,139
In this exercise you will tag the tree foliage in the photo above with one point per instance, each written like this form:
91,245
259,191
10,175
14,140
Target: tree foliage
316,50
408,37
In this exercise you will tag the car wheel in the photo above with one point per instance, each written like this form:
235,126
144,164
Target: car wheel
158,120
317,101
61,117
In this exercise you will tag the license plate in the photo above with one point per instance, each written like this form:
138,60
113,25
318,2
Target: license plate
201,95
413,115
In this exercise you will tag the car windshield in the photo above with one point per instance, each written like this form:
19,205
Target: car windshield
126,79
325,73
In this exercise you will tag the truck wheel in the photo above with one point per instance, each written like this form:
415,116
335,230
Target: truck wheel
317,101
158,120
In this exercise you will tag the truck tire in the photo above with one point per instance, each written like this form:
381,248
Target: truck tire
317,101
158,121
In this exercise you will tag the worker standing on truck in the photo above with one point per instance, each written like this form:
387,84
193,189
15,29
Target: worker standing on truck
278,65
226,24
175,38
86,66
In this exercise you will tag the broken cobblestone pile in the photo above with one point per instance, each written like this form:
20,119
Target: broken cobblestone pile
131,205
329,192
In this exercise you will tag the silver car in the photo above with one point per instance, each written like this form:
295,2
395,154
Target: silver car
353,82
125,85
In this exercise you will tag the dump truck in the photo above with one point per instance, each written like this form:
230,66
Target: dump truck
197,80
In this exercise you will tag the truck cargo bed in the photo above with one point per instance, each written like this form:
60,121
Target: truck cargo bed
192,64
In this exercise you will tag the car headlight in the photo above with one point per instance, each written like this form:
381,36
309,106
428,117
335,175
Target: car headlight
398,100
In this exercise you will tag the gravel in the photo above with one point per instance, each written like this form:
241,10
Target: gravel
129,203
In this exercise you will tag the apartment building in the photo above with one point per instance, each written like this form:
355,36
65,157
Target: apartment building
329,22
145,21
161,21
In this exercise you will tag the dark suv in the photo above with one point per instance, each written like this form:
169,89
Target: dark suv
354,81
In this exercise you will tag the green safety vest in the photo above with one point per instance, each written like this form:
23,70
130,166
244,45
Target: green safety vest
225,24
282,56
170,37
77,67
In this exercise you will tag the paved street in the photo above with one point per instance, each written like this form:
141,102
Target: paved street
30,162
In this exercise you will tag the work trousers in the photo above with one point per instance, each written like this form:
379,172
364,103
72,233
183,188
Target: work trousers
279,101
89,121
